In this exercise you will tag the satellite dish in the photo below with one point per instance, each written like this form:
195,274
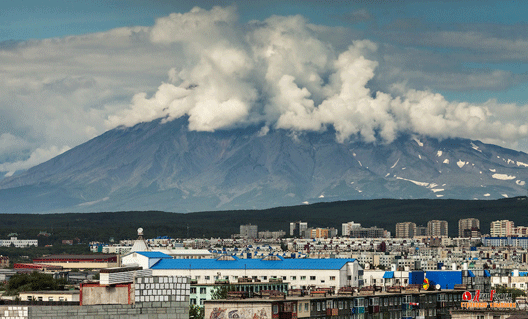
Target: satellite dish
140,231
437,286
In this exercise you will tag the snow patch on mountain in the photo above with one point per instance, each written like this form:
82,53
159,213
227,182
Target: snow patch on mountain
461,163
435,190
439,153
487,195
418,142
475,147
522,164
446,161
504,177
414,182
393,166
520,183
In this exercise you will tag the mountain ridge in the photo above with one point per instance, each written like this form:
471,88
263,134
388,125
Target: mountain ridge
164,166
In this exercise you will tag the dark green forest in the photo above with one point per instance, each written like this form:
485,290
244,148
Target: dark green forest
383,213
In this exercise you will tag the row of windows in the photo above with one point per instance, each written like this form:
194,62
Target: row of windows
332,278
41,298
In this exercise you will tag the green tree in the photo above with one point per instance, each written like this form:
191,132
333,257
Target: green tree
221,292
196,312
34,282
513,291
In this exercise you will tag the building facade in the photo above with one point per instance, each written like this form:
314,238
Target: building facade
18,243
249,231
467,226
437,228
300,273
348,227
502,228
297,228
405,230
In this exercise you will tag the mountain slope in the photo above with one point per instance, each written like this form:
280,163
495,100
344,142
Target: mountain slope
154,166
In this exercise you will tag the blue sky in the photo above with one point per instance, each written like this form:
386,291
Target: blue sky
63,84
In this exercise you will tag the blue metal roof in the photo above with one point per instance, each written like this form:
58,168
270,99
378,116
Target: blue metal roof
153,254
471,274
388,274
486,273
305,264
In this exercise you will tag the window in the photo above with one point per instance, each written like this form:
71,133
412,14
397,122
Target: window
275,309
340,304
207,277
29,298
264,277
202,291
312,277
61,298
202,301
193,301
318,306
349,277
322,281
40,298
293,278
283,277
50,298
306,307
324,306
193,290
332,277
303,277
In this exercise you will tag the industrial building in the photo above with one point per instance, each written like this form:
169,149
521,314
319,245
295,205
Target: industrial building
79,261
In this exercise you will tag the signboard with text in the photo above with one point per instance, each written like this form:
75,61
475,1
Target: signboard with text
477,300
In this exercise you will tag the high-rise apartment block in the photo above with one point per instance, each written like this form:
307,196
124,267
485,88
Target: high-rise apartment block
502,228
405,230
297,228
249,231
437,228
468,227
348,227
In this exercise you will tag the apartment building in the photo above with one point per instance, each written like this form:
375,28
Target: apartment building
502,228
467,226
405,230
249,231
437,228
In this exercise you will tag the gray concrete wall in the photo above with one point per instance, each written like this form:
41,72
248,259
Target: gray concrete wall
144,310
110,295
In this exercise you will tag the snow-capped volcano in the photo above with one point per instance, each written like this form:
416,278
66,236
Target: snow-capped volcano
155,166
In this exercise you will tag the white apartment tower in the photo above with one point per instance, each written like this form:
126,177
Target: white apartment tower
297,228
502,228
348,227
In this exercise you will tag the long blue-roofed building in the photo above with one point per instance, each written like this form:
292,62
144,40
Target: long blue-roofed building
300,273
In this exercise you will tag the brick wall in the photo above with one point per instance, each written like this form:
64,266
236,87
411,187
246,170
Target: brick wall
143,310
